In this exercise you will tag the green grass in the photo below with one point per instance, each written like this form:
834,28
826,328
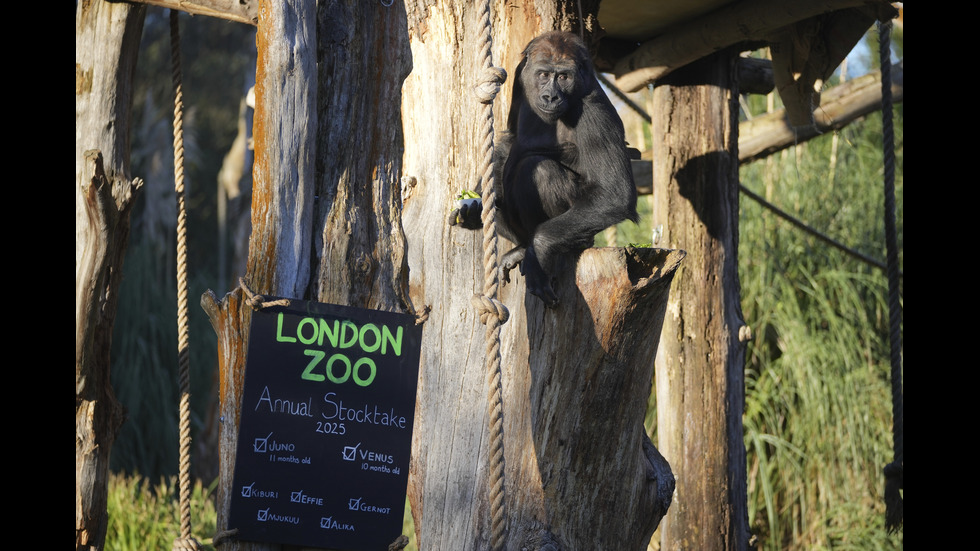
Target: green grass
818,401
147,516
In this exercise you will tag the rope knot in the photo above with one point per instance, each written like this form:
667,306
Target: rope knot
487,307
491,80
258,301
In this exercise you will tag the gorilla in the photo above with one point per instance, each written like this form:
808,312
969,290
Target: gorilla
562,168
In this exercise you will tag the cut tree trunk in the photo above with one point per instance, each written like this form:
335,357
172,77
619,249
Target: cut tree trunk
107,39
700,363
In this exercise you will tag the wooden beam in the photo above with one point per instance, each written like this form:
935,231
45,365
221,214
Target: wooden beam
748,20
241,11
841,105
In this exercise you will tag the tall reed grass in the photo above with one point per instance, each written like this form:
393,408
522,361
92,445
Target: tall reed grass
818,404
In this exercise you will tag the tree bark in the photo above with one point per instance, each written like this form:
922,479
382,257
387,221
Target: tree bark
580,473
700,364
106,43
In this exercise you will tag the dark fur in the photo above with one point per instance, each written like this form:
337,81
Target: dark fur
563,173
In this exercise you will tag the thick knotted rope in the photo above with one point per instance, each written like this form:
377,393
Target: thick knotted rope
492,312
259,301
492,78
894,471
185,542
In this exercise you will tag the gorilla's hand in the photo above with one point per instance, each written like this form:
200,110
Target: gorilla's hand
467,214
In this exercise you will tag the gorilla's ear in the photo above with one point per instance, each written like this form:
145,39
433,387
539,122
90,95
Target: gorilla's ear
518,96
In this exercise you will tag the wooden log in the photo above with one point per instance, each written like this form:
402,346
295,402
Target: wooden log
764,135
700,365
107,39
576,380
731,24
581,468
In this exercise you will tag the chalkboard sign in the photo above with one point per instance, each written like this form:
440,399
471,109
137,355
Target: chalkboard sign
326,427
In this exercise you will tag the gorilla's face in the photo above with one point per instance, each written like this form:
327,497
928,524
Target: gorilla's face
551,85
554,74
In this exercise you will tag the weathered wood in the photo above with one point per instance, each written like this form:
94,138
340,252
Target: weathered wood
578,474
764,135
358,257
700,363
576,384
325,196
807,52
106,43
755,76
737,22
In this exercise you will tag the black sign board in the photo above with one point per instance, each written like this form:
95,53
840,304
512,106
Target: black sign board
326,426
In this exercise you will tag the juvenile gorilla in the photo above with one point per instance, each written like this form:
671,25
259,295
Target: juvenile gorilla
562,169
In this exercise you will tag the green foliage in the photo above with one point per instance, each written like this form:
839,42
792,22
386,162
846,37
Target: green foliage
143,516
818,403
145,364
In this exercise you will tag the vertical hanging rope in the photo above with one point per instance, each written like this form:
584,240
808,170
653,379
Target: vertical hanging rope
185,541
894,475
492,312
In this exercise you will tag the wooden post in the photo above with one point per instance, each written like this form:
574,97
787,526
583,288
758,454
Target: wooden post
107,39
325,199
700,364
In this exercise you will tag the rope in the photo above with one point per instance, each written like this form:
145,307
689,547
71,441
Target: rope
894,475
492,312
185,541
259,301
800,224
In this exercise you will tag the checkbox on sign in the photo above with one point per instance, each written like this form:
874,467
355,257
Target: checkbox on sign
259,445
350,452
262,515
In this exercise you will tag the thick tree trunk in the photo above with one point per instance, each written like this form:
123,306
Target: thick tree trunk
700,364
107,39
325,198
580,473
